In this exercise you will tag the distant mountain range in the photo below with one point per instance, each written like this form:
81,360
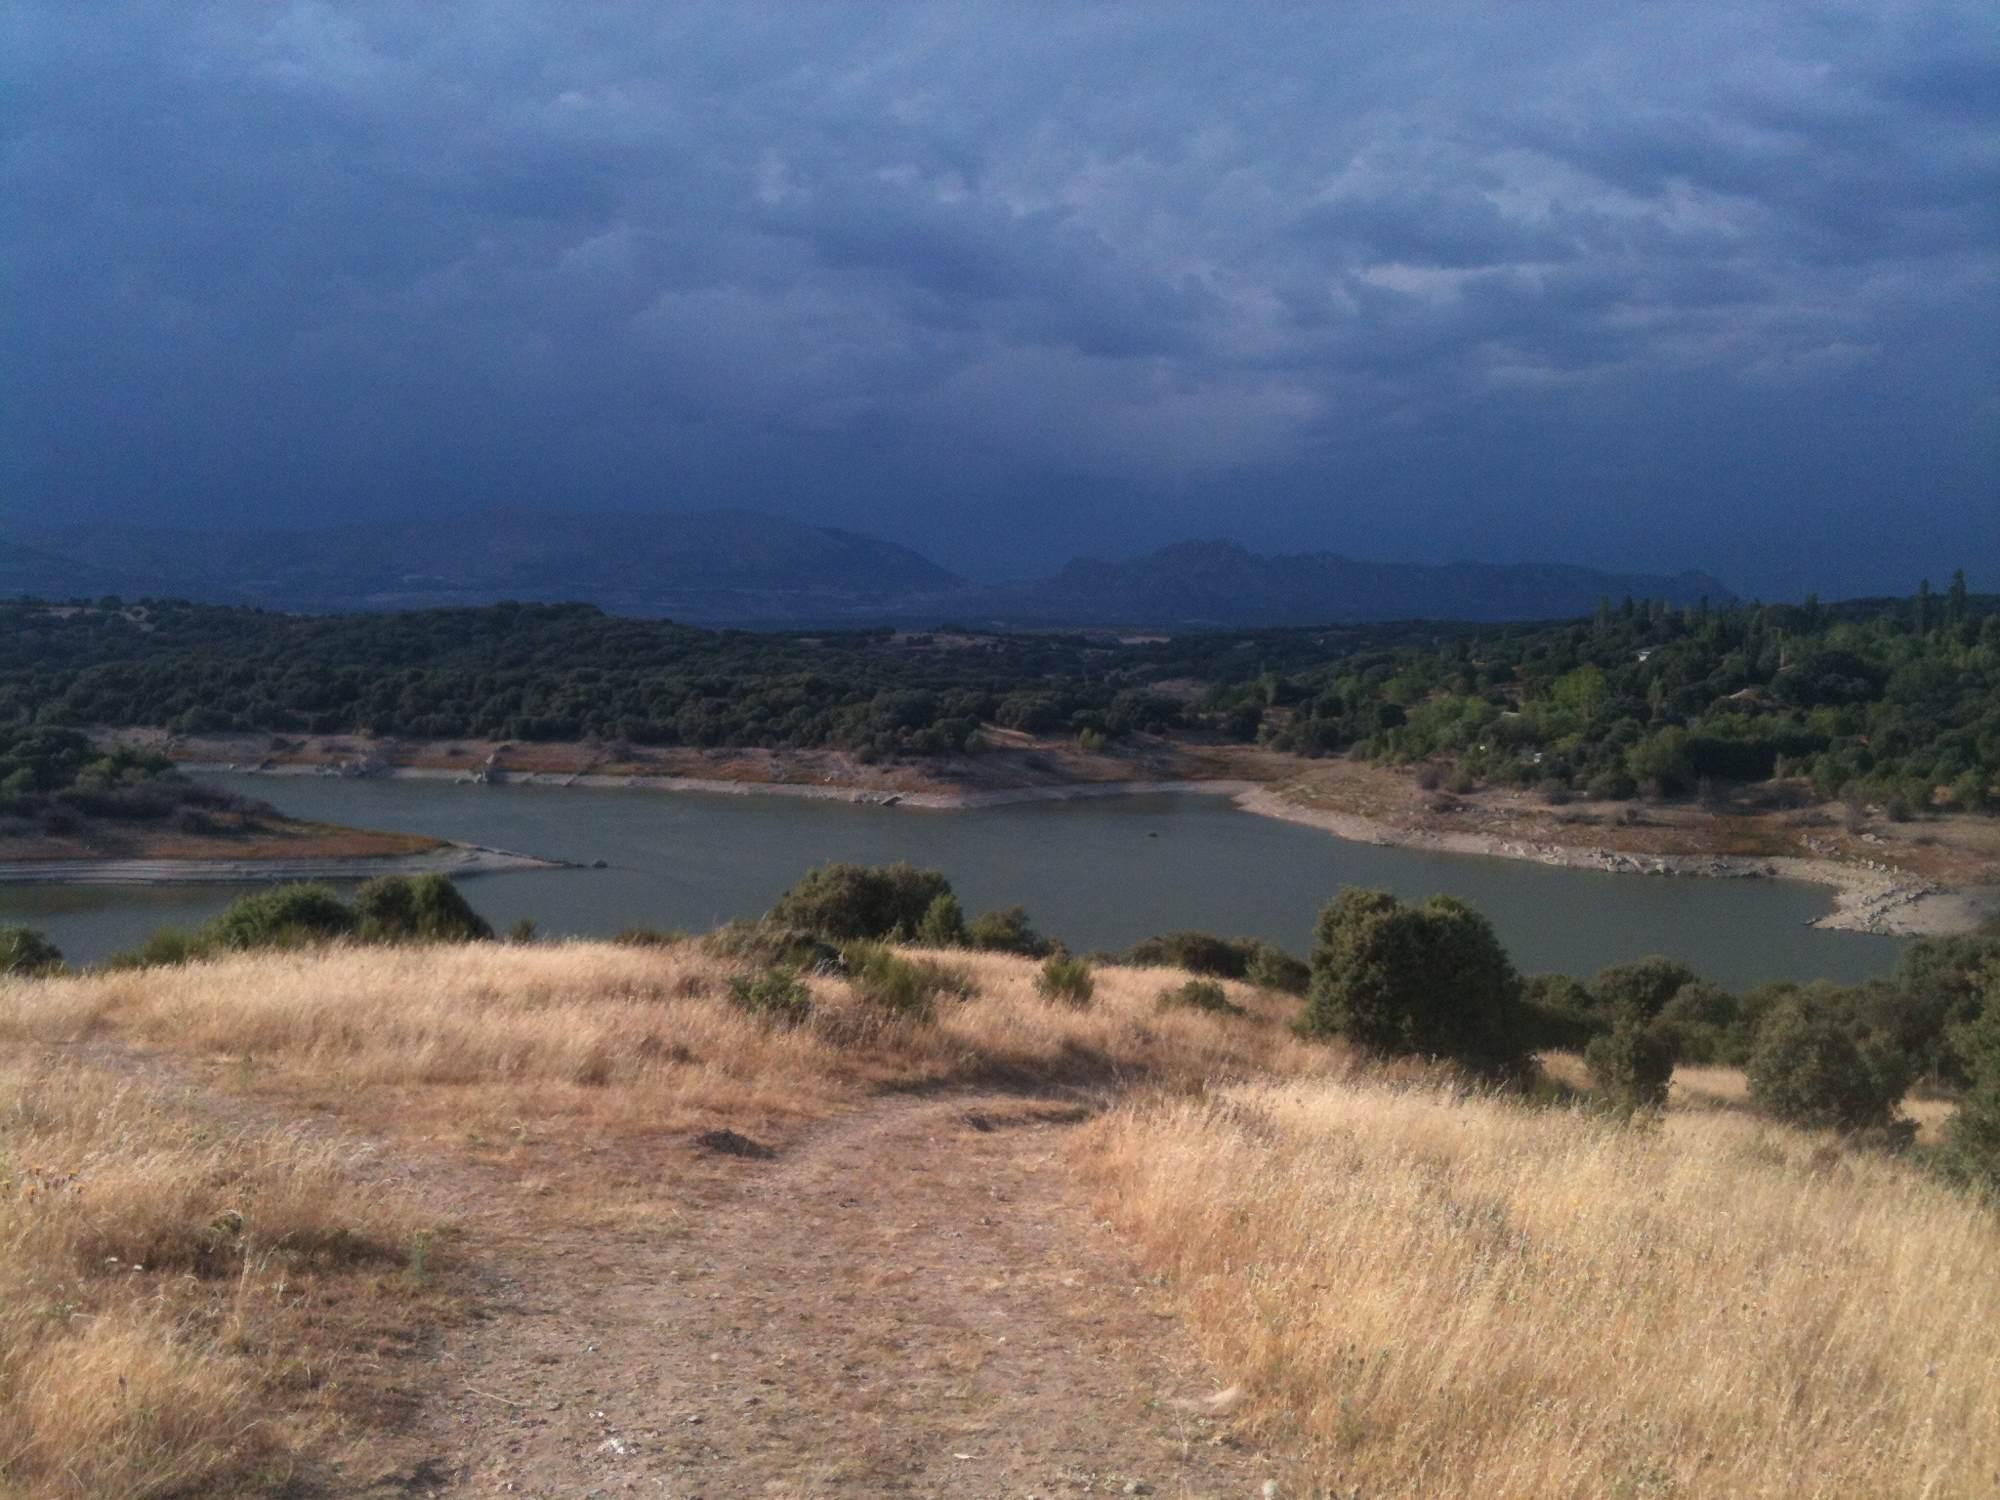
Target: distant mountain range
707,567
739,568
1221,583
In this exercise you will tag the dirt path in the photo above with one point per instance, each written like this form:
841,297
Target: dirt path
911,1301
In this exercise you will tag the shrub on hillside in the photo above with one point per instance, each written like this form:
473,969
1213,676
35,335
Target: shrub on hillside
1630,1066
850,903
416,909
773,944
1702,1025
1066,979
26,953
1644,985
1807,1069
1556,1013
1972,1139
1939,987
776,995
1199,994
1272,968
395,908
903,987
1610,786
943,924
1196,952
1007,931
163,948
1431,980
287,916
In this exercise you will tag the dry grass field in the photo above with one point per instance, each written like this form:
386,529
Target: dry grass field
222,1187
182,1300
1438,1293
599,1036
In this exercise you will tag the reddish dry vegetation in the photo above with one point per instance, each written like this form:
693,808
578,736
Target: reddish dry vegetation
235,838
396,1221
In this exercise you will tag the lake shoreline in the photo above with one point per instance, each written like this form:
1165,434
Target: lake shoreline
1868,897
1878,900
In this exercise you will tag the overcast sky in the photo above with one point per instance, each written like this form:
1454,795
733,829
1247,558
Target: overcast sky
1703,285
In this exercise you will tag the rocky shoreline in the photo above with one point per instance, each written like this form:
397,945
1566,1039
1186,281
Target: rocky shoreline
1869,896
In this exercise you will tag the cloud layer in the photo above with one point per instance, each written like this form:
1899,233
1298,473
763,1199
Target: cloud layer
1692,285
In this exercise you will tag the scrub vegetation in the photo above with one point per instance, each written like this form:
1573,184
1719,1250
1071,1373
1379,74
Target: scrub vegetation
54,782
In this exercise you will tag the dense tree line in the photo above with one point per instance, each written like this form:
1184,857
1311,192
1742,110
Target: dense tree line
1893,700
54,781
569,672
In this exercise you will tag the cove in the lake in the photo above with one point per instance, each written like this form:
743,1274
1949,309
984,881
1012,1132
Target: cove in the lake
1098,874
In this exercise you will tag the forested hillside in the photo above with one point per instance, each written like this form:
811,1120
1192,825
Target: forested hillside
1893,699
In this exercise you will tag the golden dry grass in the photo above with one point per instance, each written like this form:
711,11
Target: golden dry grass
1432,1292
1444,1294
163,1281
118,1381
639,1035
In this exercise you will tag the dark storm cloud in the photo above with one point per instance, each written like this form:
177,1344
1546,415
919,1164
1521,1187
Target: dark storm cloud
1698,284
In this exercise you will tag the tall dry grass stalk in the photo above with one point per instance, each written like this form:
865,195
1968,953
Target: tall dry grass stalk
1438,1294
157,1283
641,1034
1451,1295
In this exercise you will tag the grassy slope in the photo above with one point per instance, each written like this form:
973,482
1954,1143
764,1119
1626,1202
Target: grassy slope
1445,1295
1420,1291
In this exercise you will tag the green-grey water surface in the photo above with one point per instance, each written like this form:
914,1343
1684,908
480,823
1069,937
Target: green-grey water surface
1099,874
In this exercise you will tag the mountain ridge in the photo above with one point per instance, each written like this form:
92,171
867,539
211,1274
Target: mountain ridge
745,568
1199,580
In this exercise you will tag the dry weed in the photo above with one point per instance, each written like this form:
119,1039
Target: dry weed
158,1283
1444,1293
488,1035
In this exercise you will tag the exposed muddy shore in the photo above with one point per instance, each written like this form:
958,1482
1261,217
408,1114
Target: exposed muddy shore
1868,896
448,859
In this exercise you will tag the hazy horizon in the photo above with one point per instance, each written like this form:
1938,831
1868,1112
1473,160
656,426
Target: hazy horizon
1701,287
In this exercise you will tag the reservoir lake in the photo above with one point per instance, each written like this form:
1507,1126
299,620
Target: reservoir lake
1098,873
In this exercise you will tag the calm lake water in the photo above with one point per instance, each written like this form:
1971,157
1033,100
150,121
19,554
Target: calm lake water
1098,874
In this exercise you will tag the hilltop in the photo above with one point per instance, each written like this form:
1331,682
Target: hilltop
712,566
474,1218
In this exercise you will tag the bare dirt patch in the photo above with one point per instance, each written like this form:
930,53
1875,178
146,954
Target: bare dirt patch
902,1303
